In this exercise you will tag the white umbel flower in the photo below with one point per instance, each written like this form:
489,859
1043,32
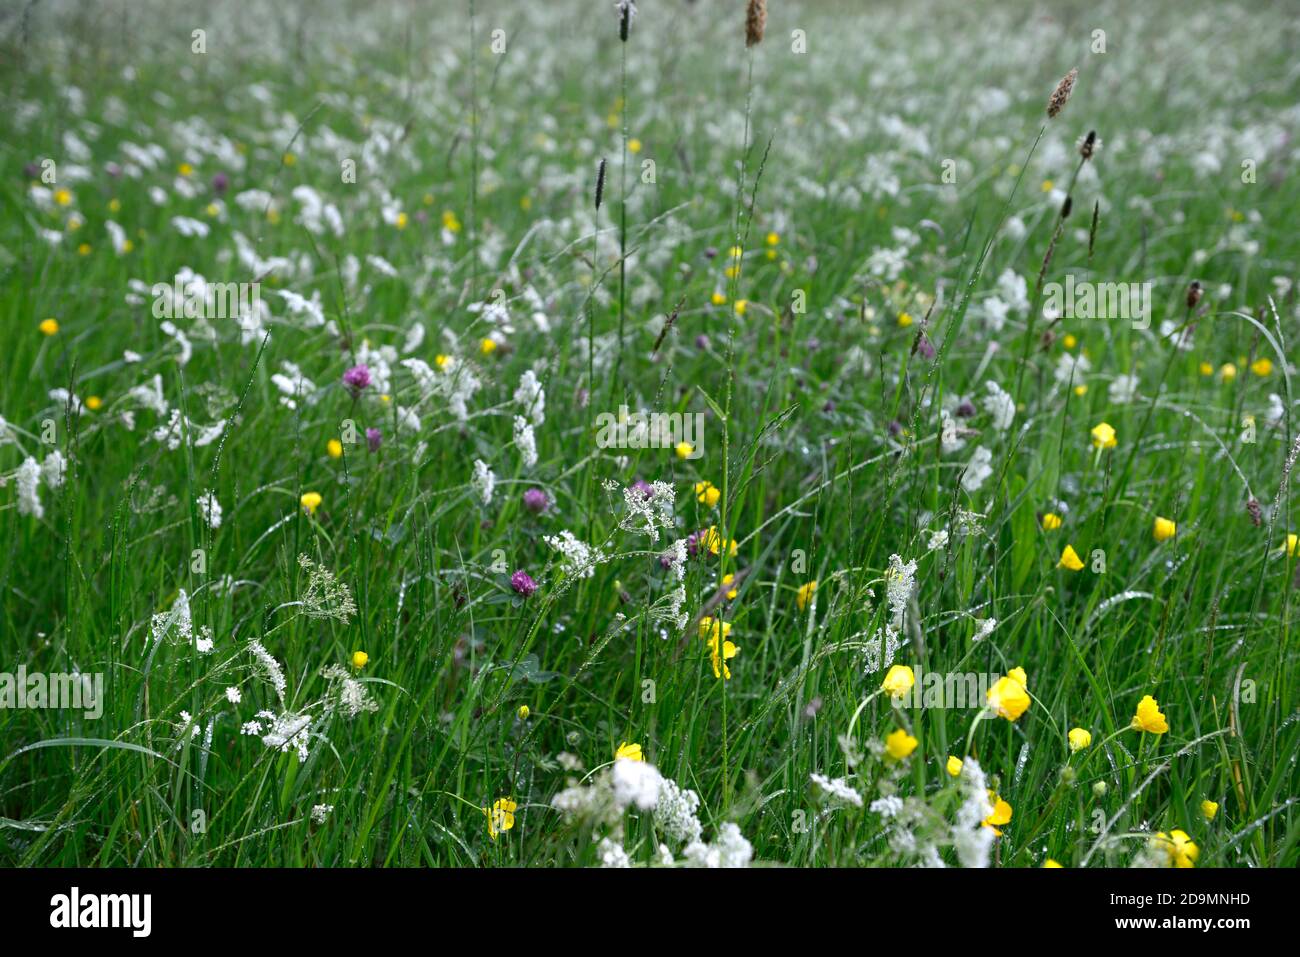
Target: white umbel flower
837,790
209,509
1000,406
525,441
54,468
484,481
29,487
977,470
531,397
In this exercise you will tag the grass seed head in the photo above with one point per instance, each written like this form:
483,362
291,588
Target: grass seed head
1061,95
755,22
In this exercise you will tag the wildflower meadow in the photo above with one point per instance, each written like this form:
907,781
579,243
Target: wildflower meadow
803,433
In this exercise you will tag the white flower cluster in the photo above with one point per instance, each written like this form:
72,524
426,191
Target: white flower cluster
971,840
1000,406
531,397
346,694
579,558
484,481
646,513
837,791
209,509
638,784
179,622
525,441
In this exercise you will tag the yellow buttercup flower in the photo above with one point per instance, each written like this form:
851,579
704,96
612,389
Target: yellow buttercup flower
1164,529
1051,521
523,712
683,449
1070,560
740,306
1080,738
711,628
441,361
711,540
718,299
450,222
904,320
1069,341
1180,849
1001,814
94,403
773,239
1051,863
62,197
1206,369
335,448
402,220
953,766
634,145
898,681
1209,809
630,752
719,659
899,744
311,501
707,493
487,346
1262,366
49,326
804,594
359,659
1148,717
501,817
1008,697
1228,372
1103,436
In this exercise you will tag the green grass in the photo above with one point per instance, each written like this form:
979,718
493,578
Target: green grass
830,151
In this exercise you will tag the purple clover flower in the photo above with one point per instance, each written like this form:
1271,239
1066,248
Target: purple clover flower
374,438
523,583
536,500
356,379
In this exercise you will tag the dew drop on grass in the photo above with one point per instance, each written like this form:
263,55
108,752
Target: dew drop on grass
1020,762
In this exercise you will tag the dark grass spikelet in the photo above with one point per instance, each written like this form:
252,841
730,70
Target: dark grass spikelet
1194,294
1061,95
1089,145
1067,207
626,11
600,183
755,22
1092,230
1254,511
